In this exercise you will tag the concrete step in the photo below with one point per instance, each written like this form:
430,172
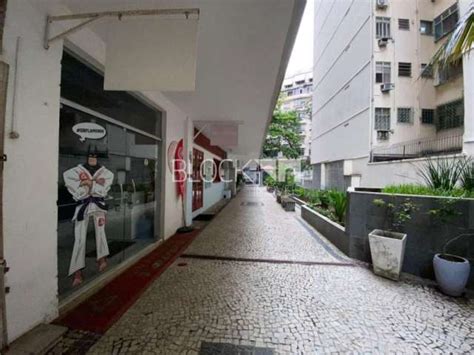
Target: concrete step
38,340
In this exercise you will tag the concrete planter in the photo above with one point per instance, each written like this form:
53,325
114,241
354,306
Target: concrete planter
387,250
278,196
452,273
298,201
332,231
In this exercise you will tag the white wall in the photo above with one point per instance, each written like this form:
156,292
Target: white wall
30,176
382,174
341,91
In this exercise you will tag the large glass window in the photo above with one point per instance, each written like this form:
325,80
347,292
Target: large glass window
108,168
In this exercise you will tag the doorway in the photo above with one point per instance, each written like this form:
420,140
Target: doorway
198,157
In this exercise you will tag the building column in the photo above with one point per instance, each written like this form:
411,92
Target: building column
468,69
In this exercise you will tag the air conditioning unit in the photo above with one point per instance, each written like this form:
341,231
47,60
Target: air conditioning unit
383,135
386,87
383,41
382,4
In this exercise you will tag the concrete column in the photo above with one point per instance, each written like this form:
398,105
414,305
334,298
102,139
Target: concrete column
468,140
323,176
188,146
468,70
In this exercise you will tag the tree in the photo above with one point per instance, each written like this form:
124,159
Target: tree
283,135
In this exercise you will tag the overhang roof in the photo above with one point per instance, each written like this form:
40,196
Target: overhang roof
243,49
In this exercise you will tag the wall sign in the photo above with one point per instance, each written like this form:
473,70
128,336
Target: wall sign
89,130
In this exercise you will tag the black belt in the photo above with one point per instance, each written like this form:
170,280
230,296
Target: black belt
99,201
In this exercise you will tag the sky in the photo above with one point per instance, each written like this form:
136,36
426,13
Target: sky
301,59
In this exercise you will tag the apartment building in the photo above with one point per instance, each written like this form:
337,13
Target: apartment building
379,108
297,95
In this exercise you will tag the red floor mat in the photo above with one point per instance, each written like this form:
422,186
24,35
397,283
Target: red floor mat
100,311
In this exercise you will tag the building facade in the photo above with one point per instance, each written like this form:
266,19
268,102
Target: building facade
378,108
75,149
297,95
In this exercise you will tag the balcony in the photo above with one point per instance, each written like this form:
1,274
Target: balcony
418,148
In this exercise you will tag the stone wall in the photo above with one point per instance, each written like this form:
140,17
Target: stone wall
427,234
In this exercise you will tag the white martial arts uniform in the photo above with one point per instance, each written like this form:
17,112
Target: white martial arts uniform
91,203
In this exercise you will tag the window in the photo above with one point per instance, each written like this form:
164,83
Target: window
382,27
288,86
427,116
426,28
446,22
426,70
382,118
450,115
404,115
404,24
449,72
404,69
382,72
299,82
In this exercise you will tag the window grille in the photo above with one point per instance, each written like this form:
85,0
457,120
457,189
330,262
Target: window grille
382,118
404,69
404,115
450,115
382,27
427,116
404,24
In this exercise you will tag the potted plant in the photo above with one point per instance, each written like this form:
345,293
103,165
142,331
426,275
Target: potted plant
387,246
451,271
270,183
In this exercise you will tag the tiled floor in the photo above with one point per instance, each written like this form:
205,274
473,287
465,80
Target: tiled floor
287,308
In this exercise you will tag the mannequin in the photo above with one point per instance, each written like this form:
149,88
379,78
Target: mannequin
88,184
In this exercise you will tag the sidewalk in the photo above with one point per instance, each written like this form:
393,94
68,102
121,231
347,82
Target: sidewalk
272,304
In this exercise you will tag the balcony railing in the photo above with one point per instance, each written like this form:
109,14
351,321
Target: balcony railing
419,148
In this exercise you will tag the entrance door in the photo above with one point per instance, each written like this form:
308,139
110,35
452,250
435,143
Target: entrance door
198,158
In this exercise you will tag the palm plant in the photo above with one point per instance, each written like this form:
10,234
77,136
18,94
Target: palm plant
442,174
338,203
459,43
467,177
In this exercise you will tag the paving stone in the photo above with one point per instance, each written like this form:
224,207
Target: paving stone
288,308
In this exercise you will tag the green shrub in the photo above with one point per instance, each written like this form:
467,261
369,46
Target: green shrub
467,177
338,204
412,189
269,181
442,174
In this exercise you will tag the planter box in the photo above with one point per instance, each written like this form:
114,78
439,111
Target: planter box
387,250
332,231
298,201
427,235
288,204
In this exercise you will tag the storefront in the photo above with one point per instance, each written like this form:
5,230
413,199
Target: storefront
108,172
